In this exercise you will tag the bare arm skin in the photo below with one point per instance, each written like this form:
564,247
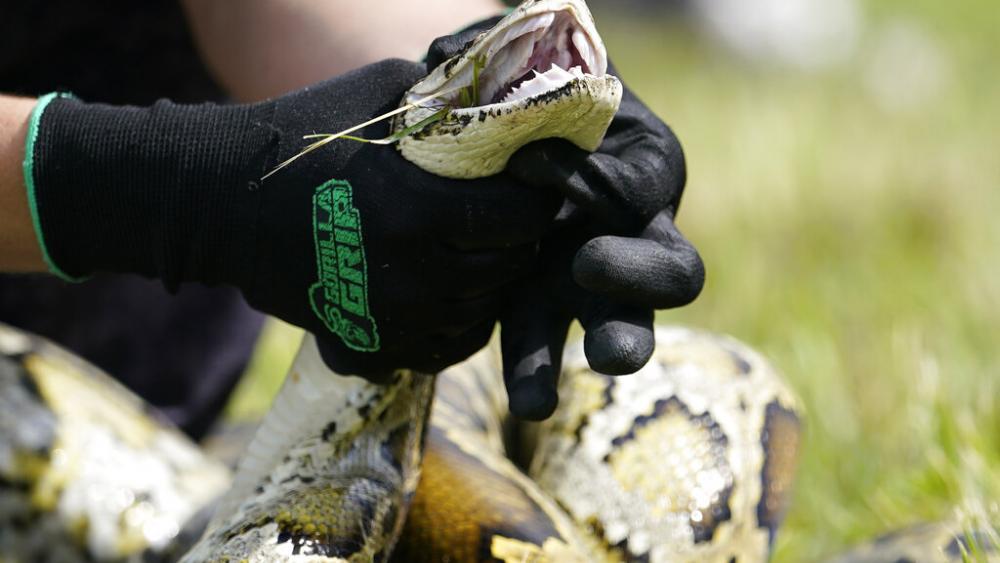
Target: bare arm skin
262,48
19,250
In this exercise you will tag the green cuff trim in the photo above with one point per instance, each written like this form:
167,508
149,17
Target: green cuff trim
29,181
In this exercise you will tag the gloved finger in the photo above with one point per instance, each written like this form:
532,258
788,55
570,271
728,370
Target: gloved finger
558,164
483,272
532,337
446,47
639,175
658,270
619,338
492,213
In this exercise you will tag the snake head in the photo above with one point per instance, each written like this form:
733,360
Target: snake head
541,72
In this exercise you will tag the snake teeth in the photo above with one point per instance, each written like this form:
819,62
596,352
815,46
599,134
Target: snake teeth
598,65
551,79
509,61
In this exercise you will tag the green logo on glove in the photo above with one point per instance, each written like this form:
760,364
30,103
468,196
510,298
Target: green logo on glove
340,297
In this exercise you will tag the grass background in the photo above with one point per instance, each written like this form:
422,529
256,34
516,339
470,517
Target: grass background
853,240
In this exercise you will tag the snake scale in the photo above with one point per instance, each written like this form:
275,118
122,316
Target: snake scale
690,459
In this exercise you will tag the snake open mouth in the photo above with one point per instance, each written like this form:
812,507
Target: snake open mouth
539,48
539,73
539,54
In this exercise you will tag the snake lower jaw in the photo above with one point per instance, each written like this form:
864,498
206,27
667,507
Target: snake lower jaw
477,142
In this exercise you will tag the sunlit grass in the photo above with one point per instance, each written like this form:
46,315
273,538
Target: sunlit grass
855,244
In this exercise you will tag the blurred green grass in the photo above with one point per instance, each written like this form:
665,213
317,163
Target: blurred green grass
856,245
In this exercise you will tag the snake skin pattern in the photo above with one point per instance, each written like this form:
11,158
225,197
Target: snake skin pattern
330,472
690,459
87,473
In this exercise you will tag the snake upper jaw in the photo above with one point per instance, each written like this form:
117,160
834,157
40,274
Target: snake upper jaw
541,72
533,41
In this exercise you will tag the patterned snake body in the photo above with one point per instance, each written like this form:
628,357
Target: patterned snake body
86,473
676,463
329,472
688,460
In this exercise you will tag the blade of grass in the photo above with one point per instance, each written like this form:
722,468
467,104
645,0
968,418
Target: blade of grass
420,125
349,130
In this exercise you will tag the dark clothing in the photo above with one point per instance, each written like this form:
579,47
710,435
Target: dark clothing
112,51
183,353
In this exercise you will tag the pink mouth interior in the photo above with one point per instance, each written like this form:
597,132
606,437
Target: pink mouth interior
554,47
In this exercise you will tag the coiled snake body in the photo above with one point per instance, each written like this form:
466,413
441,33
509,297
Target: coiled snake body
689,459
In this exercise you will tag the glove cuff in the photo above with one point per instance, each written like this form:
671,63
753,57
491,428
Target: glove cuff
29,182
166,191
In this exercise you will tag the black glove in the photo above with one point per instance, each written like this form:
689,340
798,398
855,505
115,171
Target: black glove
618,238
391,267
615,257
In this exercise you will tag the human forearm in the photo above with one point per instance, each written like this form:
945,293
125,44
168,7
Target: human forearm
18,247
262,48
